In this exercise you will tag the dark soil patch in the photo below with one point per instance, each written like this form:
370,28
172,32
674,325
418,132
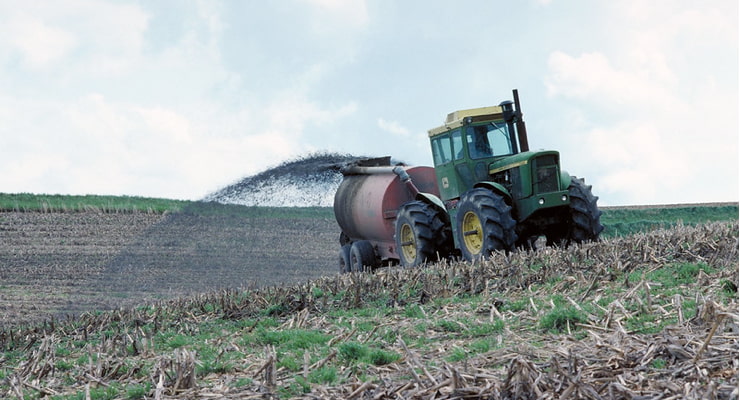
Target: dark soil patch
55,264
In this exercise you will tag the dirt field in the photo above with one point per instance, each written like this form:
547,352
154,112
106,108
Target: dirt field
647,316
54,264
62,263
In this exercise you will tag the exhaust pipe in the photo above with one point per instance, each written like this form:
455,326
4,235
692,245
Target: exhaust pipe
521,129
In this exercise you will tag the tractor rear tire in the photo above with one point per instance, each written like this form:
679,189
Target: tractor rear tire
344,259
421,234
484,224
584,213
362,256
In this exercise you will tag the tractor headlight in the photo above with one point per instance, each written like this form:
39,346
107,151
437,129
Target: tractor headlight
564,198
541,201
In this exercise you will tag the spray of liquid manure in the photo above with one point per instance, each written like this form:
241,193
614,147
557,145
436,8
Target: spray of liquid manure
248,234
308,181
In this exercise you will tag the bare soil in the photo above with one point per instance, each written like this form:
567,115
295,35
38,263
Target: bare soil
60,264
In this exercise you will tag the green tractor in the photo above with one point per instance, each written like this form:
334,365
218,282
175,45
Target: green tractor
494,193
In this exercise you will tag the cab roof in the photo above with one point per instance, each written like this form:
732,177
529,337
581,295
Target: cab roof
456,119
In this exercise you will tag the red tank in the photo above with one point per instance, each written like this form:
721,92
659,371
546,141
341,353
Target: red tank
368,199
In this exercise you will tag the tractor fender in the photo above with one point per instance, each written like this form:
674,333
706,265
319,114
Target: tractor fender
564,180
433,201
496,188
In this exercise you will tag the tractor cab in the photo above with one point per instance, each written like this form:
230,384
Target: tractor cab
471,141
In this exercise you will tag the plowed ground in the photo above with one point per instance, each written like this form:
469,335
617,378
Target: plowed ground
59,264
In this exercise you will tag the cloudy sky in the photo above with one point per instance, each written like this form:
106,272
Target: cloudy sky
177,99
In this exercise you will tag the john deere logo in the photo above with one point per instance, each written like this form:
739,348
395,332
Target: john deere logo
445,182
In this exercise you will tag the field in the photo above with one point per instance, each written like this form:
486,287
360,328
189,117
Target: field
236,302
60,263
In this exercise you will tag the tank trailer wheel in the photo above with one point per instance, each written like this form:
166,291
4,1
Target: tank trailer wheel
344,239
344,259
362,256
484,224
584,213
421,234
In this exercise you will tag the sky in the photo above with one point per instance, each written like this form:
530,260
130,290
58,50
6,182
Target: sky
179,98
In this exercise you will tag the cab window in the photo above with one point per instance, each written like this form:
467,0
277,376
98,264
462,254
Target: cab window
457,144
489,140
441,150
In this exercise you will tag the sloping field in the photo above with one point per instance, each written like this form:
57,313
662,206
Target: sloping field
647,316
54,264
51,263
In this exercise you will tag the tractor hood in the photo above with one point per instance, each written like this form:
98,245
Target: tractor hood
537,172
518,160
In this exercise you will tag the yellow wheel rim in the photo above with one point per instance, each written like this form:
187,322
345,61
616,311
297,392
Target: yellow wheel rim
408,243
472,231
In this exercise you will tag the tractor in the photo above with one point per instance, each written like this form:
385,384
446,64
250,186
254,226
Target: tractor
488,192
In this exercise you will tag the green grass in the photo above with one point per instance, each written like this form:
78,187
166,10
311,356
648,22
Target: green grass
293,339
659,363
353,352
26,202
382,357
617,221
177,341
626,221
323,376
101,393
561,318
66,203
450,326
672,275
138,391
485,328
458,354
480,346
414,311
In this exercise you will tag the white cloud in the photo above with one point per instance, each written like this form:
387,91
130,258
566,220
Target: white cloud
639,159
592,77
291,113
176,128
99,145
99,36
655,121
393,127
38,43
344,12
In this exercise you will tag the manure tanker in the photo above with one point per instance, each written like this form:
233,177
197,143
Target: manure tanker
487,192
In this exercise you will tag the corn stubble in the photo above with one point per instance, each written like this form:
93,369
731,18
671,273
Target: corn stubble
693,353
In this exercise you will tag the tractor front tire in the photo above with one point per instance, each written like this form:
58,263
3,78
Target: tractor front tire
585,215
484,224
421,234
